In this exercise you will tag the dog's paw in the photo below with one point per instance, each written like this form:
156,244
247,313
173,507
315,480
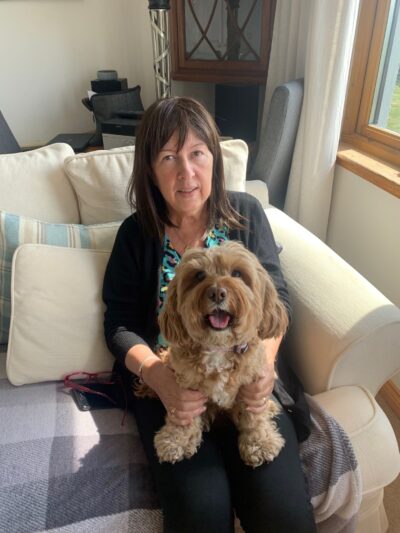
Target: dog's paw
273,408
255,451
168,452
174,443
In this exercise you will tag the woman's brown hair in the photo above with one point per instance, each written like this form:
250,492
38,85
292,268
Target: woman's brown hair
158,124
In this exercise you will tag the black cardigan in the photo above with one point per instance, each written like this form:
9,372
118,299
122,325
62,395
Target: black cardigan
131,282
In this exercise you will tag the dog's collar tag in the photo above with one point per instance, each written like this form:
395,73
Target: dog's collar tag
241,348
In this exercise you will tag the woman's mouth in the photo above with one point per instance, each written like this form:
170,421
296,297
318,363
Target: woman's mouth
187,192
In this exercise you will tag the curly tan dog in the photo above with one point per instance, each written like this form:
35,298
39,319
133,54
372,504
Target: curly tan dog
221,304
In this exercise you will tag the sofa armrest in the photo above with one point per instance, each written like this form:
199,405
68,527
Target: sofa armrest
345,331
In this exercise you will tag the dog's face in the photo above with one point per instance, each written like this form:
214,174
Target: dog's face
221,296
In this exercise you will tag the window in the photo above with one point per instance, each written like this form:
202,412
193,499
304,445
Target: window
372,117
385,111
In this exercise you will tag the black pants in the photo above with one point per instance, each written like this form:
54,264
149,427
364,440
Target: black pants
199,495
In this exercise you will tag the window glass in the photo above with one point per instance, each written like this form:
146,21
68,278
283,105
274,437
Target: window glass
385,111
223,29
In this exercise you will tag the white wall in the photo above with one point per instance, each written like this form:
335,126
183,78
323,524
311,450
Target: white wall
364,228
51,49
204,92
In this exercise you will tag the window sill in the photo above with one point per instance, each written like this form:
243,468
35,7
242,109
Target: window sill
382,174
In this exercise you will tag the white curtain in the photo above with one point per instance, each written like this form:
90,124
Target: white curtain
314,39
289,43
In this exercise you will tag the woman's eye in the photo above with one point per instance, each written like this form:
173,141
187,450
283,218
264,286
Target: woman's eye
168,158
200,275
198,153
236,274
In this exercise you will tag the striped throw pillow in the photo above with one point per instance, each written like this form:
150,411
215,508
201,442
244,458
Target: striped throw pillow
16,230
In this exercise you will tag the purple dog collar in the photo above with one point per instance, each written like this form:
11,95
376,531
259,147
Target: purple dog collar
241,348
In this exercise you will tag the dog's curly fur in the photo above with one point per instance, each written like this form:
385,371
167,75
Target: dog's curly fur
228,283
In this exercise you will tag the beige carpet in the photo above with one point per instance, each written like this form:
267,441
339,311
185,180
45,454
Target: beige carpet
392,491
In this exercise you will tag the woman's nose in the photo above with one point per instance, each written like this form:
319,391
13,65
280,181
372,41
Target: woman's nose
185,168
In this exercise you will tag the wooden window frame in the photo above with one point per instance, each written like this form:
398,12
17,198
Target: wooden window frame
368,150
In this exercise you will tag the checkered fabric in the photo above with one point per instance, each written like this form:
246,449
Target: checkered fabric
65,470
69,471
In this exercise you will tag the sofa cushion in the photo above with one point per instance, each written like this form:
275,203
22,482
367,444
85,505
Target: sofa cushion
16,230
259,190
100,179
57,313
34,184
235,153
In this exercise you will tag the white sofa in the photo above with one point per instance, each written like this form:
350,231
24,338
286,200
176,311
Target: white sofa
346,332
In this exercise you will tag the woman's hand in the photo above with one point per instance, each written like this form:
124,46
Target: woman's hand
182,405
255,395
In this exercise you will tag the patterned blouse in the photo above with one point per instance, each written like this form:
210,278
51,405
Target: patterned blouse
171,259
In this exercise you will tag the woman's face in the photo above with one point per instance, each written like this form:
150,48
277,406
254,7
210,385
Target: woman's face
184,178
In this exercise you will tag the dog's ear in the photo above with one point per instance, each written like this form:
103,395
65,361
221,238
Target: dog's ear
275,318
170,320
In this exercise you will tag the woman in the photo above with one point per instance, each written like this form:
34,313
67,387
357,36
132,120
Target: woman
177,188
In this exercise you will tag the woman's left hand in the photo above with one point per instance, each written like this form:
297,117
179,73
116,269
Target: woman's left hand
256,394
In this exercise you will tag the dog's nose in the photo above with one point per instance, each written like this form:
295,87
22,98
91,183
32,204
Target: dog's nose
216,294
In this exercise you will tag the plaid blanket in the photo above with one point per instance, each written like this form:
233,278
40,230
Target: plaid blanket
64,470
332,472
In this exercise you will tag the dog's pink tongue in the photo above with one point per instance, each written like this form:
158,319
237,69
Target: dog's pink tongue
220,320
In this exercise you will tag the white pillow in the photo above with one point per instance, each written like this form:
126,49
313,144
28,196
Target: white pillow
259,190
100,179
34,184
57,313
235,153
16,230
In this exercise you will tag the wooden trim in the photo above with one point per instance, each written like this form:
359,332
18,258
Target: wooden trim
391,394
368,139
382,136
216,76
362,47
373,148
370,168
374,58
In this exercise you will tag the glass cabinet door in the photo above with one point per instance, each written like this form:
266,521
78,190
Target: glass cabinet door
221,40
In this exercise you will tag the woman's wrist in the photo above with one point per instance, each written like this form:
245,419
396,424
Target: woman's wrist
138,359
271,348
149,365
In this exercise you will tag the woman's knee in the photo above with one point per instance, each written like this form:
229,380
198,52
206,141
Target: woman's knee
198,504
280,515
274,496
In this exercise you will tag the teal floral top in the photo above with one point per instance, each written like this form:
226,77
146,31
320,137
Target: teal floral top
171,259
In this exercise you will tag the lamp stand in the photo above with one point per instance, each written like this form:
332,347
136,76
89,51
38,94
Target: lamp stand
161,56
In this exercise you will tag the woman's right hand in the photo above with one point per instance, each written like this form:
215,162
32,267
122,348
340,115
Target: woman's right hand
182,405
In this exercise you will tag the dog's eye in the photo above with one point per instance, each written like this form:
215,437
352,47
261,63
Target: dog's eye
236,274
200,275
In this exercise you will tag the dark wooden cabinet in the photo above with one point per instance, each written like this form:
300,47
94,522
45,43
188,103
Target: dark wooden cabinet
221,41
